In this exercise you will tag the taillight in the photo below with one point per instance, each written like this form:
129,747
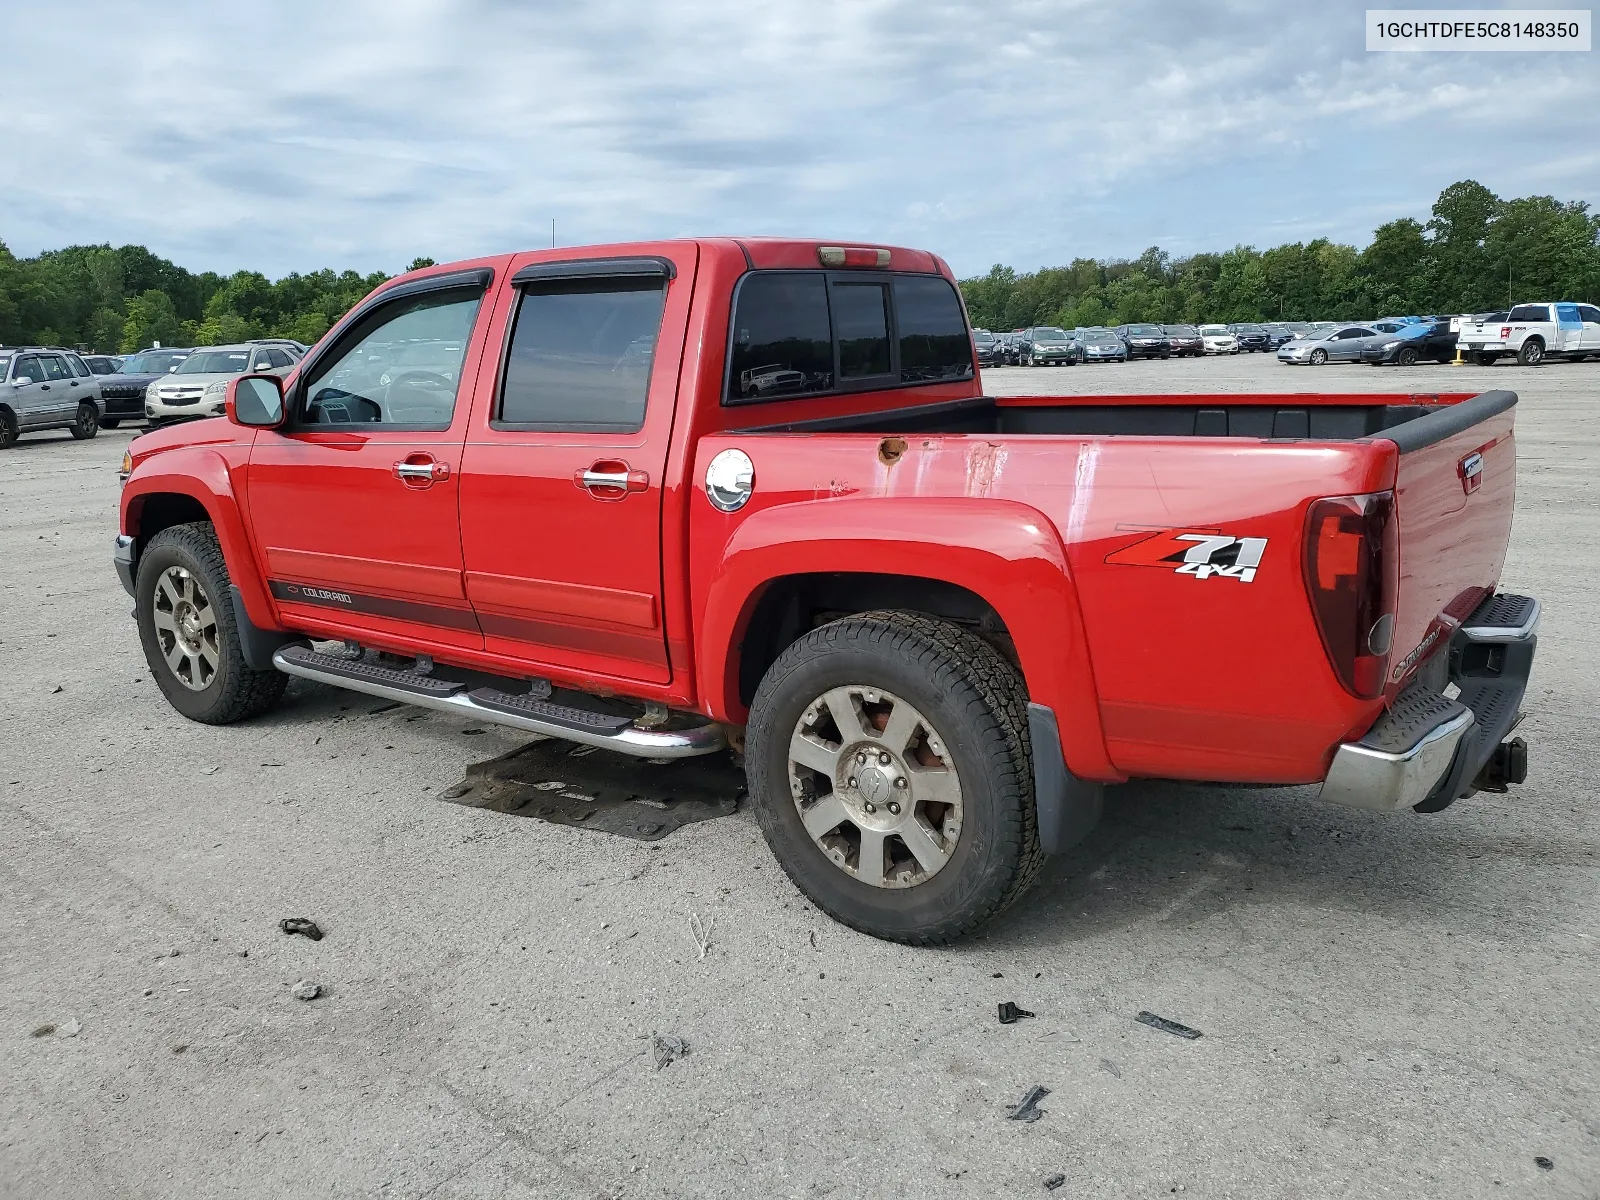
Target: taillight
1352,574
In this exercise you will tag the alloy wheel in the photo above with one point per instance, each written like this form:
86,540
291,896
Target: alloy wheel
875,786
186,628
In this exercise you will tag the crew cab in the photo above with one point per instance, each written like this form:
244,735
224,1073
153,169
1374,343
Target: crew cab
1532,333
673,498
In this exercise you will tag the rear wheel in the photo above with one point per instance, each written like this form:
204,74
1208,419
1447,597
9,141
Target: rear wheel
188,631
87,422
1487,360
110,422
1532,353
890,769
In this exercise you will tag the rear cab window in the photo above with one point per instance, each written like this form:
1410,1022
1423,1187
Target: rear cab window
1530,312
810,333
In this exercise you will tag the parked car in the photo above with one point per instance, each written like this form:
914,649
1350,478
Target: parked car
1048,346
102,364
1102,345
1251,338
918,732
989,350
196,388
1343,343
1277,335
42,387
1145,341
1008,348
1184,340
1218,339
1411,343
122,394
1535,332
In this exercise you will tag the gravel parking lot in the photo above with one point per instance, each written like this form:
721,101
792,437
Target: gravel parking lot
1391,1006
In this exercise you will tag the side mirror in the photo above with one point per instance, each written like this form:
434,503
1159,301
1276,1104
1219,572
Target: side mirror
22,381
256,401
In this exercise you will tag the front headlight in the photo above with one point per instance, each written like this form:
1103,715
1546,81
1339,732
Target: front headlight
127,463
1391,345
219,388
150,393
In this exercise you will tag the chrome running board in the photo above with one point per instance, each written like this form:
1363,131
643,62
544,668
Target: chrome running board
527,713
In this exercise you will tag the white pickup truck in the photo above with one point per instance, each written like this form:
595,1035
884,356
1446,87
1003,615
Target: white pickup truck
1534,332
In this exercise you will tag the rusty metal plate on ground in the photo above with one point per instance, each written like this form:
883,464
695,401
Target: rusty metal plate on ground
589,788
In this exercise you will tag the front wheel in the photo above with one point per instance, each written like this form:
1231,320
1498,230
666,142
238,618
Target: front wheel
1318,357
1407,356
8,429
86,423
187,628
889,764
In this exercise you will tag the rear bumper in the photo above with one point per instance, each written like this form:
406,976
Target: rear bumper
1431,748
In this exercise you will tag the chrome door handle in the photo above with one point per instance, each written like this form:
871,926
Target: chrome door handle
414,470
605,479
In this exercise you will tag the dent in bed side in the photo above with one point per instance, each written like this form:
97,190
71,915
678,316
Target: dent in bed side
202,474
1005,552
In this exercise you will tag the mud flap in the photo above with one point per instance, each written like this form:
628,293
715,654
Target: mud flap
1069,808
258,645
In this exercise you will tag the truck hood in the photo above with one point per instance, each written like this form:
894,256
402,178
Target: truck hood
209,431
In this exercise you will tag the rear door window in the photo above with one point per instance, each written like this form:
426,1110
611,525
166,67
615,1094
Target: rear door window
580,355
782,338
79,367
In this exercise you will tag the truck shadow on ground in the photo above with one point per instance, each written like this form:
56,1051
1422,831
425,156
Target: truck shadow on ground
1179,855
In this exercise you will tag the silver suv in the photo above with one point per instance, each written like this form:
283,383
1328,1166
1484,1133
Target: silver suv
44,387
199,385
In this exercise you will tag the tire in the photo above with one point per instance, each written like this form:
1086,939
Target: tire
1407,356
231,691
1532,353
1318,357
86,422
110,422
967,709
1488,360
8,429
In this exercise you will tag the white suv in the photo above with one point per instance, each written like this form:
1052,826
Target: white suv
1534,332
198,387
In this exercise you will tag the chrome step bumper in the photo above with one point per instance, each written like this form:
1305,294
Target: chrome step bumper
1429,749
526,713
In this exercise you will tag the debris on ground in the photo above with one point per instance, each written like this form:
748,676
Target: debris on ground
44,1031
701,932
1166,1026
71,1029
1010,1013
1110,1067
306,990
668,1048
304,926
1543,1163
1054,1182
1029,1109
172,952
383,708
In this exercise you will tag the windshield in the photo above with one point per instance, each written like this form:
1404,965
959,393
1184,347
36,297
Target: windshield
1214,330
156,362
216,362
1049,335
1187,331
1144,330
1102,339
985,339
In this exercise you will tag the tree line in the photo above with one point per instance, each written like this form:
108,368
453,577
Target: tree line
1475,253
121,299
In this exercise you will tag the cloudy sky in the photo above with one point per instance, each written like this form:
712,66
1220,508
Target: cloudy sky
351,133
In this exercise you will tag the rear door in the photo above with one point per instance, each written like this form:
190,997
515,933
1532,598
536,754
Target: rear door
63,388
353,502
1591,328
562,471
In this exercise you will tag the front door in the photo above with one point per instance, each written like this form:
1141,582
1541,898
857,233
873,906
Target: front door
562,478
353,503
30,396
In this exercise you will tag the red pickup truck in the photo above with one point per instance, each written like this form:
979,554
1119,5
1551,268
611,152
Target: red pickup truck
672,497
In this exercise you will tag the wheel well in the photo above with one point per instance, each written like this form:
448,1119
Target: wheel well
6,414
162,510
795,604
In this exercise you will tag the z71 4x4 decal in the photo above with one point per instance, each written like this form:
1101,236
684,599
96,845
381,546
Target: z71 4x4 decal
1202,553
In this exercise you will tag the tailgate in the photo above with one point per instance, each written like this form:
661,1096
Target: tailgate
1454,493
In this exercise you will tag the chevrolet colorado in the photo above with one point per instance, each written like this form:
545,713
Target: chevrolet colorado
674,497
